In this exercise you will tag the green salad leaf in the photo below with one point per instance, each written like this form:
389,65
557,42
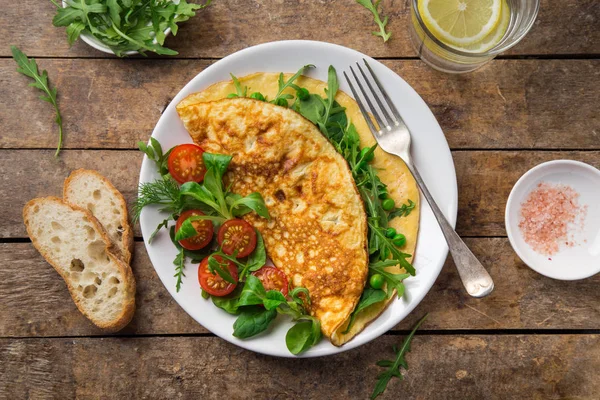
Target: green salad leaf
381,23
29,68
125,25
253,321
393,367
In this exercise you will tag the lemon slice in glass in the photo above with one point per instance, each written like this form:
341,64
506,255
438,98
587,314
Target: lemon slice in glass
460,22
494,37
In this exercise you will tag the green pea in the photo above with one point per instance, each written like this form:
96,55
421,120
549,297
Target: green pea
367,158
257,96
376,281
388,204
281,102
399,240
302,94
390,233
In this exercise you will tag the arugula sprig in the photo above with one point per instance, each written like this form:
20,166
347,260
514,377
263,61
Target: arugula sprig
28,67
394,367
373,8
155,153
257,308
125,25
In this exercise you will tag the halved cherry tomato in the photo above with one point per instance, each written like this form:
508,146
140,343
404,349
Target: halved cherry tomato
237,235
203,227
185,163
213,283
273,279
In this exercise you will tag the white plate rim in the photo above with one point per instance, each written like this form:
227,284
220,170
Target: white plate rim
448,203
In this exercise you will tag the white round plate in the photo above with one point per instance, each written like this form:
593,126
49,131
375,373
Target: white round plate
570,263
430,153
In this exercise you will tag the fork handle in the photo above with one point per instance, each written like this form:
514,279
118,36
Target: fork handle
473,275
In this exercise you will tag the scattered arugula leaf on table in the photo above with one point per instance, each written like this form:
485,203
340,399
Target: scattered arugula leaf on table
393,367
125,25
28,67
373,8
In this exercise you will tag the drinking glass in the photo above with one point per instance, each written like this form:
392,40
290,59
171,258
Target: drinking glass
448,59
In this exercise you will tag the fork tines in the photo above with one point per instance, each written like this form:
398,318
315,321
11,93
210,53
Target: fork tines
383,110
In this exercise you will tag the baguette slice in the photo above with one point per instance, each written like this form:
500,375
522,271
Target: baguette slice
75,244
90,190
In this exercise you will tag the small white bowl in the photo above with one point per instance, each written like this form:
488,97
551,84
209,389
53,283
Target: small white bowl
98,45
570,263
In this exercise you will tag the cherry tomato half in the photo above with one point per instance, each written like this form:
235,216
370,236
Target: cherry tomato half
213,283
273,279
203,227
185,163
237,235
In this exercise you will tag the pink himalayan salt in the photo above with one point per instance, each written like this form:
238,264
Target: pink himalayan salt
546,216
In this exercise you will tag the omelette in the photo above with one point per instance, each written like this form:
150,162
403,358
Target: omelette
318,232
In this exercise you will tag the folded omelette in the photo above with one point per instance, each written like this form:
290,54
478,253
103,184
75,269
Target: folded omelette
317,233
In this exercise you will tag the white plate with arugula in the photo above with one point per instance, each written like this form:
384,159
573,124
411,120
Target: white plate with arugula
430,152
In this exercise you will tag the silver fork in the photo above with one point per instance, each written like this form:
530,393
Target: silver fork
394,137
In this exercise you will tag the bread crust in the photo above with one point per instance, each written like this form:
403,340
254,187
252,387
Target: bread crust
127,237
128,306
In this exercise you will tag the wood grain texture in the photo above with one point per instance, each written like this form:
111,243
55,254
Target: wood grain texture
485,179
441,367
568,27
508,104
522,298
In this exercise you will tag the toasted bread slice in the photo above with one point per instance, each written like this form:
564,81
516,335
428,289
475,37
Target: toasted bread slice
75,244
90,190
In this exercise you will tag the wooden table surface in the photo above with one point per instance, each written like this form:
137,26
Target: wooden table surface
534,337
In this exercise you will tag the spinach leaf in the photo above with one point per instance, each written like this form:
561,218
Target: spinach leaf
303,335
217,162
273,299
253,201
215,267
253,292
228,303
187,230
253,321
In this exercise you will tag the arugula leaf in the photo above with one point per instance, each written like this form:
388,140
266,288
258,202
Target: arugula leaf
163,224
303,336
253,321
125,25
393,281
179,261
393,367
154,152
239,90
215,267
372,7
280,98
369,297
403,211
29,68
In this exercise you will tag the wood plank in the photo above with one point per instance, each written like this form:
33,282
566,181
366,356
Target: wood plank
36,302
448,367
508,104
485,179
231,25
